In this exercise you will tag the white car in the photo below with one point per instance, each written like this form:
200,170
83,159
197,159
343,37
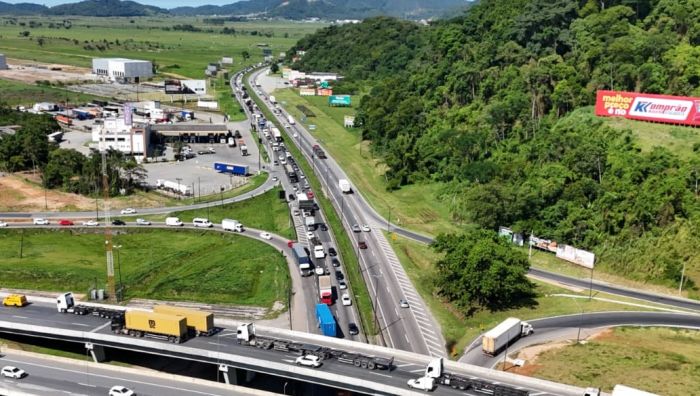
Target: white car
128,211
366,228
91,223
143,222
13,372
265,235
309,235
3,224
41,221
346,299
118,390
308,360
342,285
319,270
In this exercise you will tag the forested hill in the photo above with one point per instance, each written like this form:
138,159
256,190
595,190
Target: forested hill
493,104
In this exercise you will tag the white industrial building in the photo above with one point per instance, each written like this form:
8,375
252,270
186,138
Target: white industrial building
116,134
122,70
3,62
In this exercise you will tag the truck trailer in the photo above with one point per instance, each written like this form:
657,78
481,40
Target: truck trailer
302,259
200,323
234,169
435,375
506,332
151,324
325,290
65,303
326,321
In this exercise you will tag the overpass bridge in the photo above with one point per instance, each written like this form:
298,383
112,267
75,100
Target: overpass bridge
239,361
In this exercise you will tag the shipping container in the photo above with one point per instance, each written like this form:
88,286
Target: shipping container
139,323
201,322
326,321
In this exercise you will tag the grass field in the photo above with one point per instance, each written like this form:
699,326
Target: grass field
679,140
266,212
180,53
412,206
670,365
16,93
227,103
460,330
156,264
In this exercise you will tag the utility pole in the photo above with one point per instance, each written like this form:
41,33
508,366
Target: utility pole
111,290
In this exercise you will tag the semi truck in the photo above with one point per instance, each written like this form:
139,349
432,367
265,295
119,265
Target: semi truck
506,332
344,185
232,225
234,169
326,321
302,259
325,290
199,323
304,202
65,303
273,100
276,134
174,186
243,147
245,335
151,324
366,362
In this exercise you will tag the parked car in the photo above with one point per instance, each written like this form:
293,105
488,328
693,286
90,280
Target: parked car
346,299
308,360
13,372
143,222
403,303
362,245
332,252
118,222
40,221
91,223
356,228
366,228
342,285
352,329
128,211
119,390
65,222
265,235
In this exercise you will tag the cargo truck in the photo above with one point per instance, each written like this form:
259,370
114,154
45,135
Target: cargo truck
231,142
319,151
200,323
245,335
273,100
231,225
151,324
174,186
173,222
234,169
65,303
326,321
302,258
435,375
344,185
319,253
506,332
276,134
305,203
325,290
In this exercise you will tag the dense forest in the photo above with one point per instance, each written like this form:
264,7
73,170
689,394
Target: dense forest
496,105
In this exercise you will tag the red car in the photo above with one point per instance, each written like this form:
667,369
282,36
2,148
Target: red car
65,222
310,194
290,243
362,245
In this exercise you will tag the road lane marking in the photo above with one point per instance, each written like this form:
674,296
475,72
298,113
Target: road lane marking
98,328
20,317
88,385
383,375
81,324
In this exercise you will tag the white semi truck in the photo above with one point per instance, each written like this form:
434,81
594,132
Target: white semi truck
506,332
344,185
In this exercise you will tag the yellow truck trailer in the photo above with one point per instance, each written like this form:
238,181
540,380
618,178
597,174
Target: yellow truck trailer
201,322
158,325
16,300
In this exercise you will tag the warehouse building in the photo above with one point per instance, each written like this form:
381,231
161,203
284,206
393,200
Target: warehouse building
122,70
191,133
117,134
3,62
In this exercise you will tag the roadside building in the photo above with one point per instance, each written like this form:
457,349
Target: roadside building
117,134
122,70
191,133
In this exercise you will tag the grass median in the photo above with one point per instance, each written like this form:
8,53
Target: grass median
346,249
182,265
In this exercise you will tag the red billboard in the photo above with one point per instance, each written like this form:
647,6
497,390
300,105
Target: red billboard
649,107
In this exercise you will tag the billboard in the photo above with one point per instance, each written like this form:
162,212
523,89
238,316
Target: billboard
648,107
544,244
339,100
324,92
307,91
185,87
576,256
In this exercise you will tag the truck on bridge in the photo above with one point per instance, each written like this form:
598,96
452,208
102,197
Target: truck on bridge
435,375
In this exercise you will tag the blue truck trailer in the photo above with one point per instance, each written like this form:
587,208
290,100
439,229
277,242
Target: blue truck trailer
302,258
241,170
326,321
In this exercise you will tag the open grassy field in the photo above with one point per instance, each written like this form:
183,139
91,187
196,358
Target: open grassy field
412,206
459,330
679,140
15,93
178,265
670,365
181,53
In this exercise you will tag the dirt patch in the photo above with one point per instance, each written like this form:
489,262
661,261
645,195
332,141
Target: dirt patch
19,193
30,72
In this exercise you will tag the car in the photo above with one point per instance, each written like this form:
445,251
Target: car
335,262
291,197
118,222
65,222
319,270
40,221
13,372
3,224
128,211
296,212
119,390
266,235
310,194
326,271
339,275
352,329
324,227
276,162
346,299
296,135
143,222
362,245
274,178
366,228
356,228
342,285
290,243
91,223
211,150
332,252
310,235
308,360
403,303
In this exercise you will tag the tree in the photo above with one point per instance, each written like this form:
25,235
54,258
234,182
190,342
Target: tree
481,270
274,68
245,55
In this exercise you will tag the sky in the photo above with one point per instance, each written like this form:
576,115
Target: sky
157,3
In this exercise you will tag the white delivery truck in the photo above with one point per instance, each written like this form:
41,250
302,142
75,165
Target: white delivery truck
173,222
319,253
272,99
231,225
507,331
344,185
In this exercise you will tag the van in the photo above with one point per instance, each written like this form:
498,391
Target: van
201,222
16,300
173,222
319,252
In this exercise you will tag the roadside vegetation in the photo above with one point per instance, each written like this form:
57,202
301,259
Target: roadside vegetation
668,365
18,93
179,265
